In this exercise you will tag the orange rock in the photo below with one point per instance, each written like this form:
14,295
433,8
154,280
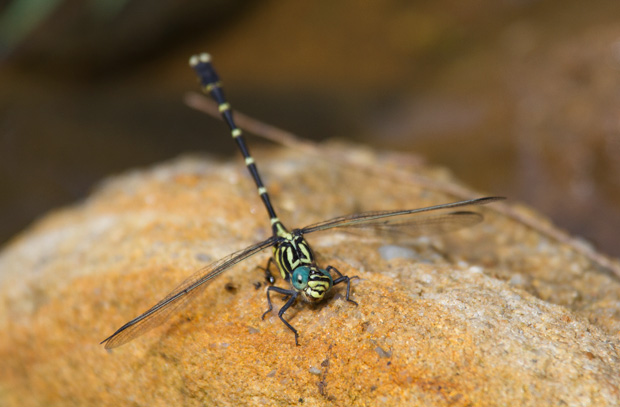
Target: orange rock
465,319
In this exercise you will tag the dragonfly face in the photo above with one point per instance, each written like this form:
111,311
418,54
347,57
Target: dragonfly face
312,282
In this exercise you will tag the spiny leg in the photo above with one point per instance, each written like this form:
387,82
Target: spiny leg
268,274
293,294
341,278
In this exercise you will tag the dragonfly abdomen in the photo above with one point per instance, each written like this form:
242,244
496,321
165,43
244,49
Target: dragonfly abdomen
212,85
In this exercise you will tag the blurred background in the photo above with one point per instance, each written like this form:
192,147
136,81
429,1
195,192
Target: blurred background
517,97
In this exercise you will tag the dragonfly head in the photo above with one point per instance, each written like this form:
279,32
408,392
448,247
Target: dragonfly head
312,282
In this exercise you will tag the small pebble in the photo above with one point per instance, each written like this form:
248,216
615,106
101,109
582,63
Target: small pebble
315,370
389,252
383,353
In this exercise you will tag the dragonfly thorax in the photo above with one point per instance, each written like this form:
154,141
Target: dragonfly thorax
290,253
295,261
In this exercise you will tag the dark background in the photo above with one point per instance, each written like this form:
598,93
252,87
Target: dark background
517,98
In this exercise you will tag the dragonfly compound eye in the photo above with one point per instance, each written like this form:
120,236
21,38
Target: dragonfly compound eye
300,277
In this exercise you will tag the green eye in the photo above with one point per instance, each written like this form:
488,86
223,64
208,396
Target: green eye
299,279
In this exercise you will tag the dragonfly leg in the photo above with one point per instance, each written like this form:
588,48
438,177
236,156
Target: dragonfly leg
293,294
268,274
341,279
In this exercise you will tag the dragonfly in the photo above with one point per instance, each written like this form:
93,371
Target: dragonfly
291,253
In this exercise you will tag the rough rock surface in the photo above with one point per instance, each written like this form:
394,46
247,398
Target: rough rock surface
492,315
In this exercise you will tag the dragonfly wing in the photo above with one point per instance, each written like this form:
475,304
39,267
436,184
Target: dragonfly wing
412,222
413,226
180,296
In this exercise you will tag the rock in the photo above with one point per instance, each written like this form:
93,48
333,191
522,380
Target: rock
492,315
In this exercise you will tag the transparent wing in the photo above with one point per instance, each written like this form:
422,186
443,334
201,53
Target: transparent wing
180,296
411,222
420,225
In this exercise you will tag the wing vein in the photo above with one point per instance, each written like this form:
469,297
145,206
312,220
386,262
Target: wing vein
418,221
181,295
